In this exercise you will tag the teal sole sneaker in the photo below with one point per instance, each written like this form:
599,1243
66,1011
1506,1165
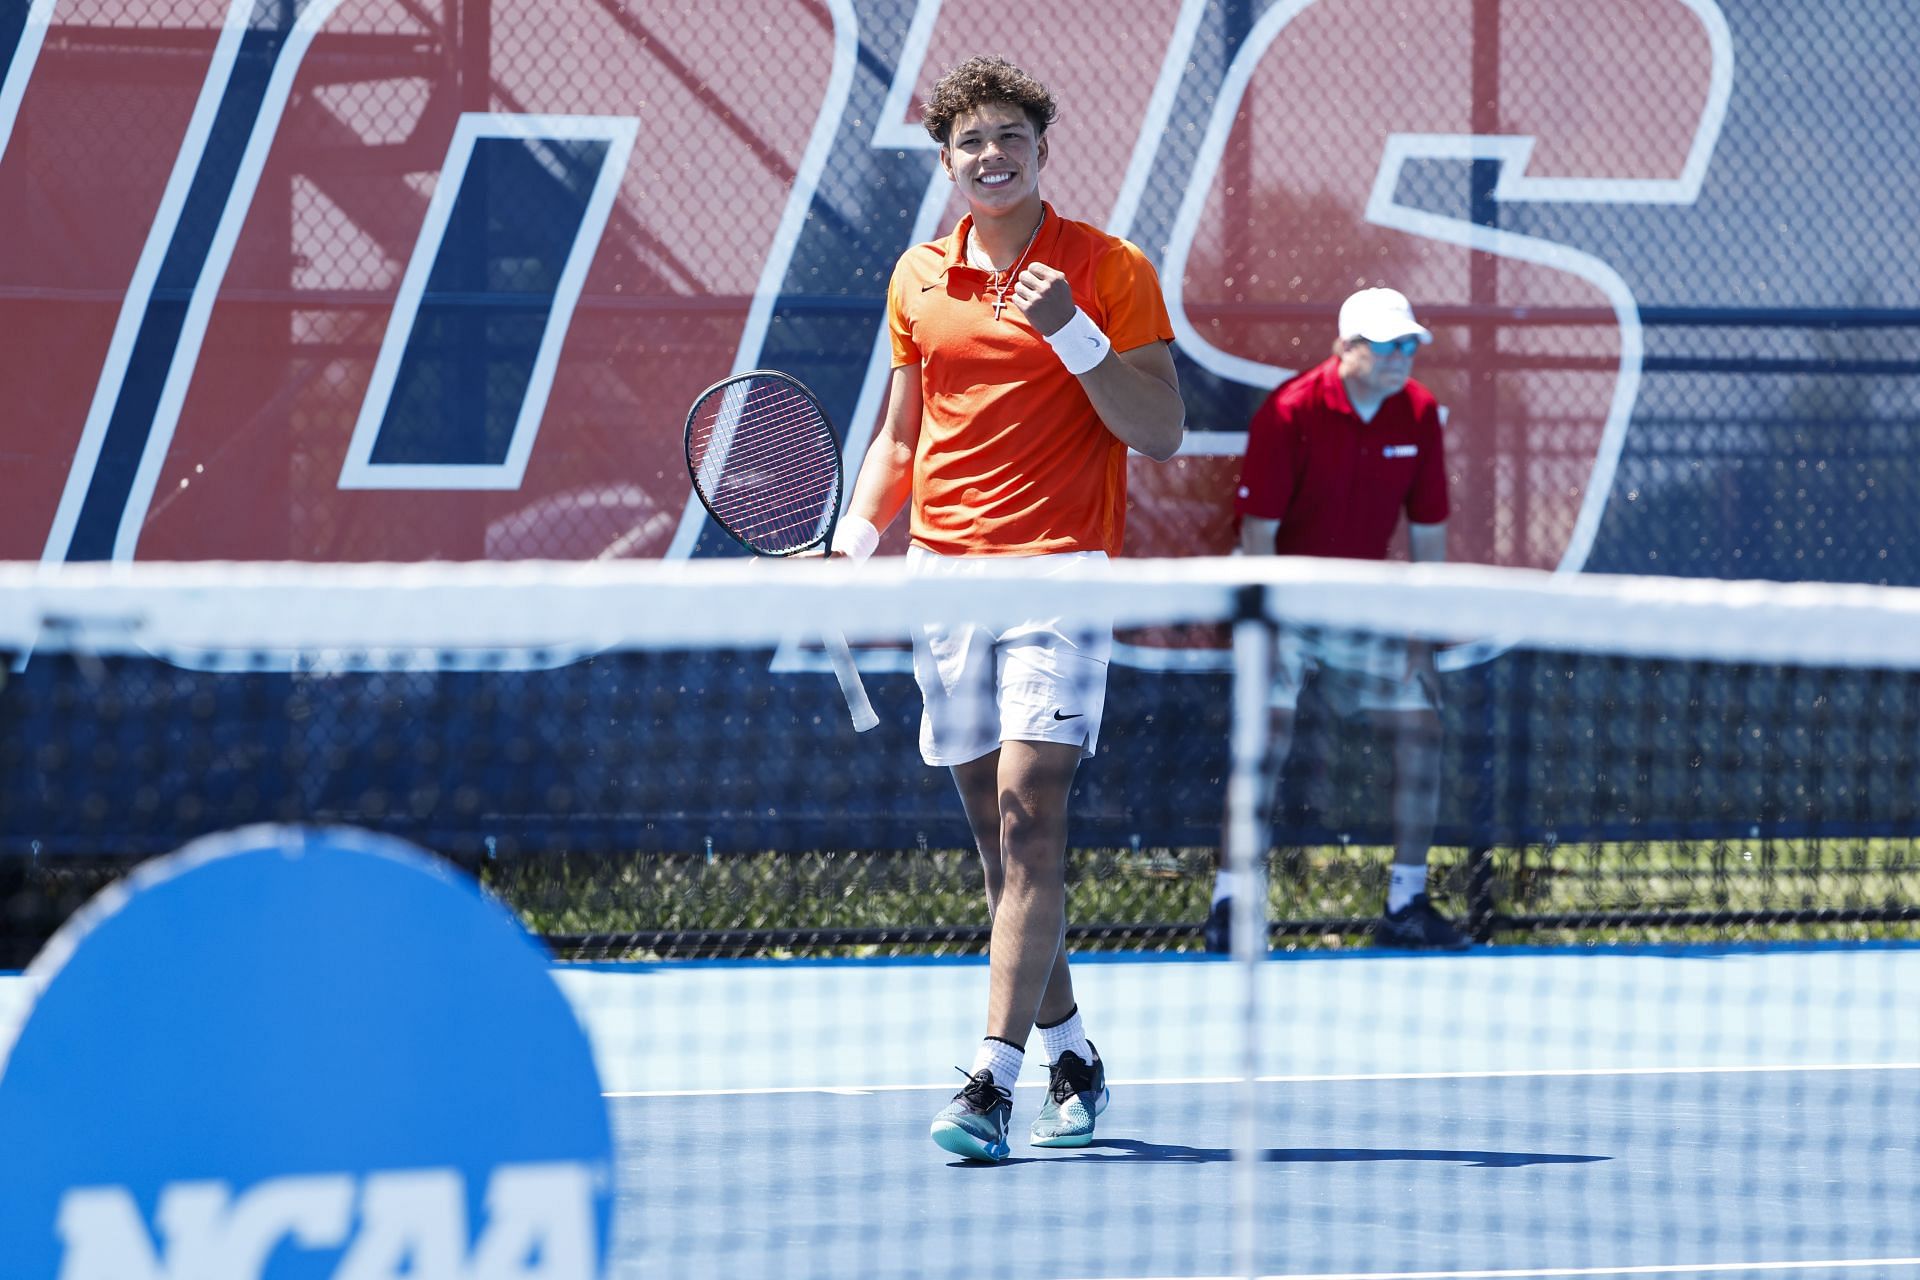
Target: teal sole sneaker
974,1124
1076,1095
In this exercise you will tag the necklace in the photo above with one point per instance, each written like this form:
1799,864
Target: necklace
998,282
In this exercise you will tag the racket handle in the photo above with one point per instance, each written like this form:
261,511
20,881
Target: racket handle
851,685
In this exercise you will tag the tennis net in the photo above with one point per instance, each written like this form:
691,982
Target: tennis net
646,760
652,763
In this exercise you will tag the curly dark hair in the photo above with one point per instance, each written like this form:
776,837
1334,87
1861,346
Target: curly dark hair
979,81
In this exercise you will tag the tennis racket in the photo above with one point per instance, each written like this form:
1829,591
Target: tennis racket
765,463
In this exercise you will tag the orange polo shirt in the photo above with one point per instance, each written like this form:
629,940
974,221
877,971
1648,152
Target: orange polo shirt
1012,459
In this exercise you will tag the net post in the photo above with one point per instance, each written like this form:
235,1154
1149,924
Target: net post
1483,821
1246,838
1484,408
1481,907
1502,805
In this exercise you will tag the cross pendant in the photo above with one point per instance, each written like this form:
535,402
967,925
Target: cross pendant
999,303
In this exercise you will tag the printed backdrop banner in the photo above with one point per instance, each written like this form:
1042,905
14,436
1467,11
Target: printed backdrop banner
358,280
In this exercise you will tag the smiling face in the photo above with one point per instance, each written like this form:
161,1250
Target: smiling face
994,156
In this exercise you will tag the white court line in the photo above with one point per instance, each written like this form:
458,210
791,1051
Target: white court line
851,1091
1546,1273
856,1090
1526,1072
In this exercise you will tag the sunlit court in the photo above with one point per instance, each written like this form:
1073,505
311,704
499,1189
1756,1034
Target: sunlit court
1143,640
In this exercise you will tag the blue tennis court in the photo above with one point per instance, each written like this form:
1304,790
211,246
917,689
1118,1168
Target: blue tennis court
1506,1113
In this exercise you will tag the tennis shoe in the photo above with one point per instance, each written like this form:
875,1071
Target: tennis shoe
1418,927
975,1123
1076,1093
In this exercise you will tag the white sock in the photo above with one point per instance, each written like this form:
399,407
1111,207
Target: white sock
1222,885
1406,882
1002,1059
1064,1037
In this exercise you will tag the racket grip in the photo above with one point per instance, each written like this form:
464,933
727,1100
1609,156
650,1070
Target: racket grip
851,686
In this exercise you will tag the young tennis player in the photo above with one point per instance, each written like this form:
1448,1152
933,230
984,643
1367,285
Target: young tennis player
1030,352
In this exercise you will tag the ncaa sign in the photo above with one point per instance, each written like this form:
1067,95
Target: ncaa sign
286,1053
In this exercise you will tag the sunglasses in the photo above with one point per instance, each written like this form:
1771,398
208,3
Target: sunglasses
1403,346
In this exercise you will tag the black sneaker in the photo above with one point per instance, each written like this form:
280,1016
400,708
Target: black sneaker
1418,927
1219,928
974,1124
1076,1094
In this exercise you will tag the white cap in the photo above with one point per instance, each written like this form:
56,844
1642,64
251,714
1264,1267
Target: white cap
1380,315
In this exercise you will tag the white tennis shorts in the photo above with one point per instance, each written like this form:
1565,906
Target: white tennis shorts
1356,673
1039,681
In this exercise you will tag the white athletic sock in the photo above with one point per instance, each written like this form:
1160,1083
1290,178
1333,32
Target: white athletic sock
1406,882
1066,1036
1222,885
1002,1059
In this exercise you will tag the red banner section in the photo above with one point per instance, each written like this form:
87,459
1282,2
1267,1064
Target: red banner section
265,300
83,181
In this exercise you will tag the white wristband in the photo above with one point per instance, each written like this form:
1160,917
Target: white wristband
855,538
1079,343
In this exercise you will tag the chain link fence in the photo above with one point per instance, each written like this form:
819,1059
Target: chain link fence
1663,248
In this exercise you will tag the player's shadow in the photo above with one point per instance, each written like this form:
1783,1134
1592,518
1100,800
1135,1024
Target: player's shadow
1135,1149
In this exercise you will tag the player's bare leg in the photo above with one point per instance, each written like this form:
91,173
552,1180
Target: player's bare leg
1016,802
1030,921
979,785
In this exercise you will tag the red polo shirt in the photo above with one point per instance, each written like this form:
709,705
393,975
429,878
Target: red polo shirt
1338,485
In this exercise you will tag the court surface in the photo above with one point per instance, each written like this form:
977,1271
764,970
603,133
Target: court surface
1506,1113
1513,1113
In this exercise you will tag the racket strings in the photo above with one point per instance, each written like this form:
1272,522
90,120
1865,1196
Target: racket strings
773,419
733,424
768,447
770,452
767,466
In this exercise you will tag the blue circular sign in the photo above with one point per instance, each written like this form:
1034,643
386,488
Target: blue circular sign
293,1053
